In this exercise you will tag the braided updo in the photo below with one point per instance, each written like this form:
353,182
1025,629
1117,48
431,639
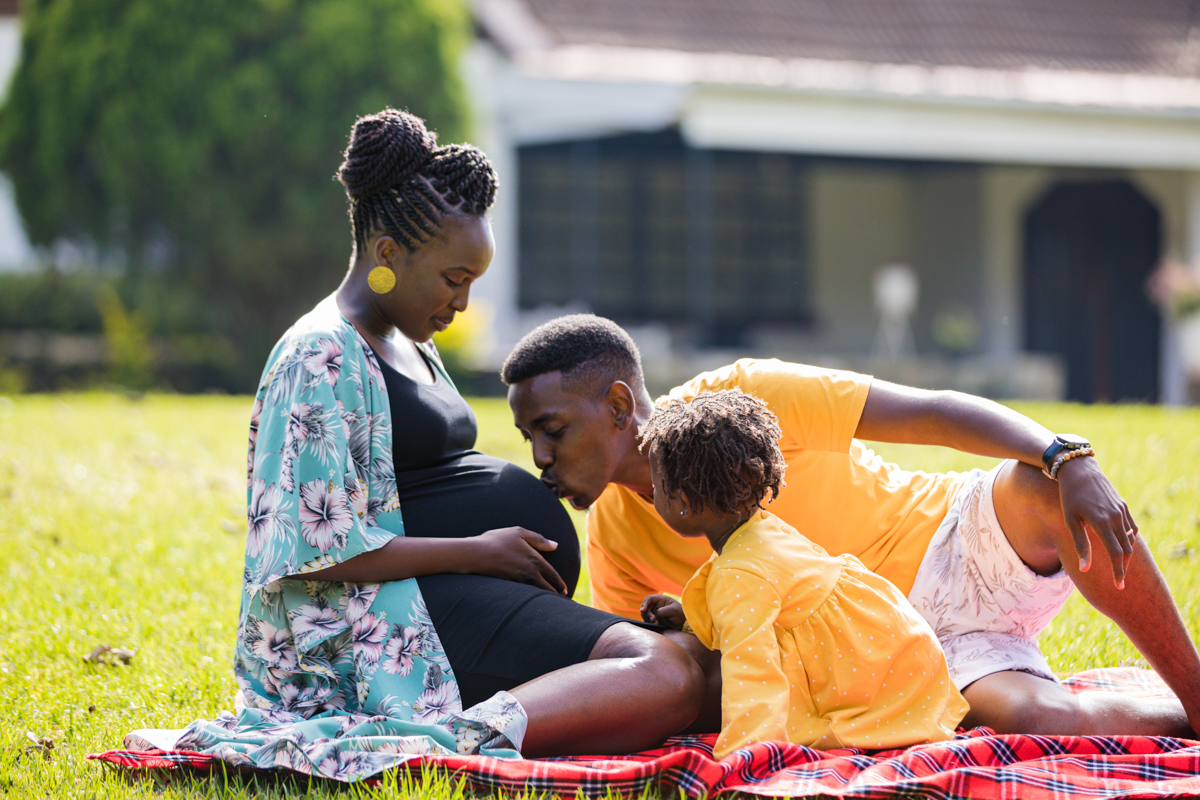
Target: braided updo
399,181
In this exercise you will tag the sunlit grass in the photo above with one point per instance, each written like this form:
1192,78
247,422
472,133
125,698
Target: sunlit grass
121,524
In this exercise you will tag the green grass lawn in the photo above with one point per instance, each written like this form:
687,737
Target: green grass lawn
121,523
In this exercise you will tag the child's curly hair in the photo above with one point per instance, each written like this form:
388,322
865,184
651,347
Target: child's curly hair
720,451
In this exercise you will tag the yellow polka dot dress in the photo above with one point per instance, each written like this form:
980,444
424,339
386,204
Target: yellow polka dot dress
815,649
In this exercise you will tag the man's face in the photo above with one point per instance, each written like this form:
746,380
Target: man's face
574,436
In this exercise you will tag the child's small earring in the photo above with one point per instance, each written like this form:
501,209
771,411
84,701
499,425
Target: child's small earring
682,513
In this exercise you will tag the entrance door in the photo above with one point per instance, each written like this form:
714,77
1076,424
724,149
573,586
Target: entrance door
1088,250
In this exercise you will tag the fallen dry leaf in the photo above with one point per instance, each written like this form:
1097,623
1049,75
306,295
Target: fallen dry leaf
97,653
123,653
40,745
112,656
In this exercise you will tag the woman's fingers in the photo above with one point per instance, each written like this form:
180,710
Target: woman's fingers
516,557
539,580
550,576
537,541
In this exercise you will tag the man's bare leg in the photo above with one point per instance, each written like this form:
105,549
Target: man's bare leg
1017,702
1030,513
636,689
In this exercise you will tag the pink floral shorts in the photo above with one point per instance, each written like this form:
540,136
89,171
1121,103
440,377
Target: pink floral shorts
985,605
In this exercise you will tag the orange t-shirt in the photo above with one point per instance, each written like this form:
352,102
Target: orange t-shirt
839,493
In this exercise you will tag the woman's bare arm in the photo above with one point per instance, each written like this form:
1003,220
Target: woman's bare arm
514,554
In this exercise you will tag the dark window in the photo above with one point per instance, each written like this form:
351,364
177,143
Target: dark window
643,228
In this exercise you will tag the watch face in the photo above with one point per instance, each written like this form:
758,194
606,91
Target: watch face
1072,441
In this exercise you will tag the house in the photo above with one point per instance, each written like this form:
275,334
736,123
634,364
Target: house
15,251
731,178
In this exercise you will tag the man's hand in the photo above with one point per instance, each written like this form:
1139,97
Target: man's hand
1089,501
513,554
660,609
906,415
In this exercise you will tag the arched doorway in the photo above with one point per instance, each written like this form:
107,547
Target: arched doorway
1089,247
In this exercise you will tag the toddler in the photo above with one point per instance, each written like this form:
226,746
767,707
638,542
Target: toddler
815,649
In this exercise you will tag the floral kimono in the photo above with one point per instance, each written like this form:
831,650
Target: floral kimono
339,680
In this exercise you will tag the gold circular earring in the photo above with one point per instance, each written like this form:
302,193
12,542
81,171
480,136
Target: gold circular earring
381,280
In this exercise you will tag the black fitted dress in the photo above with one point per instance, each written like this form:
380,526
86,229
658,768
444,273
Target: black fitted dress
497,633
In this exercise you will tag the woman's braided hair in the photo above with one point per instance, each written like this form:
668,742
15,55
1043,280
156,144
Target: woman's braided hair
399,181
720,451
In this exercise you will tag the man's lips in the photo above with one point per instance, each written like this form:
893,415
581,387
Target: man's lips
442,324
562,494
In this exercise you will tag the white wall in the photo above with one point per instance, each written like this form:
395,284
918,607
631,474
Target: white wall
512,109
15,252
859,222
881,127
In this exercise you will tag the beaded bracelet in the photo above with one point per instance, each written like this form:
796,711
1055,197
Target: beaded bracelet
1064,457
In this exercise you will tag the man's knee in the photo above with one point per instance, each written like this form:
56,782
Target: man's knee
1029,510
1035,491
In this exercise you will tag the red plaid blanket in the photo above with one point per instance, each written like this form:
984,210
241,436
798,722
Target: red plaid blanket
977,764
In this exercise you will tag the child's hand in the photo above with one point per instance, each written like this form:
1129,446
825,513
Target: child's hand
663,610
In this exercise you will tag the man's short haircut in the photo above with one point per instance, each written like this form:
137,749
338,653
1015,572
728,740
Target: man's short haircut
719,451
583,347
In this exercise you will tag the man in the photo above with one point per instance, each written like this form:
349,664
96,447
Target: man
988,558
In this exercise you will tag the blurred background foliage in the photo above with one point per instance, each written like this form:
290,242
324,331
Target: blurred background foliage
187,153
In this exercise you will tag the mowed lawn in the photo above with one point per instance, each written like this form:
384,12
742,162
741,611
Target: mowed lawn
121,523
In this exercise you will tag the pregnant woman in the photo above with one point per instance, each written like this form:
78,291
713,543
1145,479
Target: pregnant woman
363,477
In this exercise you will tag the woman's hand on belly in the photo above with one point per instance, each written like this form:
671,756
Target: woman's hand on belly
514,554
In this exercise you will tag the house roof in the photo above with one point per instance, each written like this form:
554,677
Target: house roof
1156,37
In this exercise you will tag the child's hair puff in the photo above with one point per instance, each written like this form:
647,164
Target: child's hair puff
720,451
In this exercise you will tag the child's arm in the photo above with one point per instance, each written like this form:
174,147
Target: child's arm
755,696
662,609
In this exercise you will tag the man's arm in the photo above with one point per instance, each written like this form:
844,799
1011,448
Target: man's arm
905,415
1145,611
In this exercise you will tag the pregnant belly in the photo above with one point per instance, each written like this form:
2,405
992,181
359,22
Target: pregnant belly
473,493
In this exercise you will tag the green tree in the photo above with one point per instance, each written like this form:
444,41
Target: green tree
200,139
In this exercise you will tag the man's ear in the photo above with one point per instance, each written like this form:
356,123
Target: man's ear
622,404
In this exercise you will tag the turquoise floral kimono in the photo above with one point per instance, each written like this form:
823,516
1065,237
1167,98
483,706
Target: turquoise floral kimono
339,680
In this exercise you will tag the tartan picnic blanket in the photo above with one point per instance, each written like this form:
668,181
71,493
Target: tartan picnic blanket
976,764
